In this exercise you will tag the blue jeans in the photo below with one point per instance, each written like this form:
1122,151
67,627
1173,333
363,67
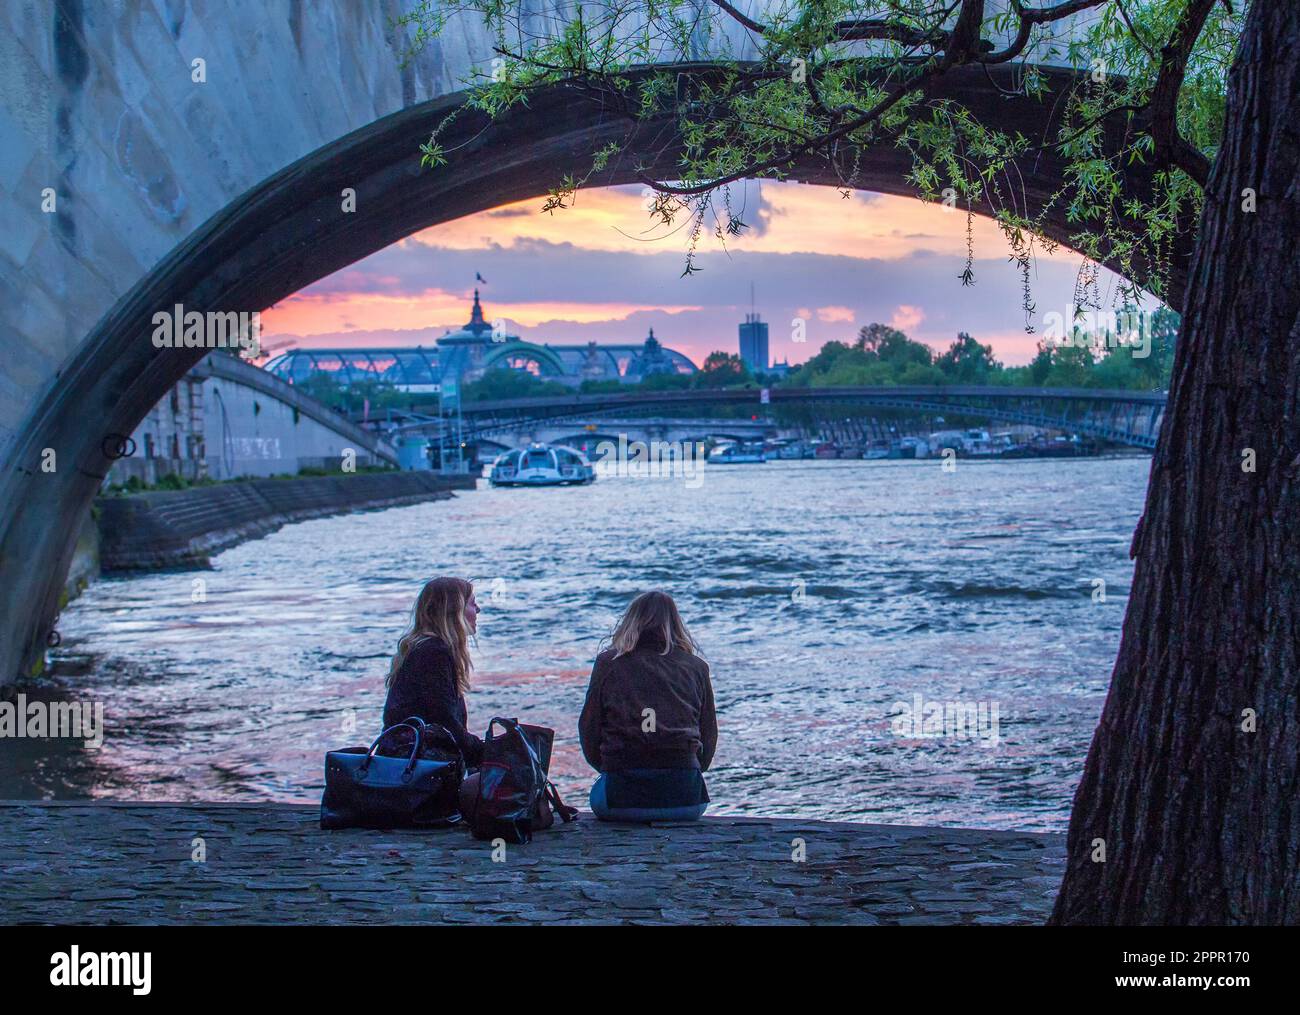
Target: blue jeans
600,805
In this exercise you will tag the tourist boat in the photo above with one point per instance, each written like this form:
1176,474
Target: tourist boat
542,465
735,454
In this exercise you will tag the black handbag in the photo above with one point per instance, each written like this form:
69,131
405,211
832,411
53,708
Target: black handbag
364,789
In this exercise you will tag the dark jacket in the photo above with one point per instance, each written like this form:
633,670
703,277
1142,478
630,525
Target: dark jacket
675,685
426,686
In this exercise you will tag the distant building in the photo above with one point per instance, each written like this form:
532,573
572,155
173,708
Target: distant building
753,344
653,359
225,418
468,353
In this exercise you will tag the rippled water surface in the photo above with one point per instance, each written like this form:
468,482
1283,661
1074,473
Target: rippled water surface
823,593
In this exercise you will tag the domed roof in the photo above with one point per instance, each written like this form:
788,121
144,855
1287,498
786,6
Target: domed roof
477,332
652,359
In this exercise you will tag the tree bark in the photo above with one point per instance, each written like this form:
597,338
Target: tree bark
1200,817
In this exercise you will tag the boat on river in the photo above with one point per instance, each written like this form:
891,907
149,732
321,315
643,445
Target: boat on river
736,454
542,465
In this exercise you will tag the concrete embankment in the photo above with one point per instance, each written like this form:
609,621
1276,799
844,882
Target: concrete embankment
183,528
99,863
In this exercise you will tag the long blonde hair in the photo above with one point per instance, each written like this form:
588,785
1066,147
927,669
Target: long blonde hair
652,613
440,611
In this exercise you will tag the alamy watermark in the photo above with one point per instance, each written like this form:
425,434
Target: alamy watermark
75,968
1100,329
73,720
932,720
652,460
178,328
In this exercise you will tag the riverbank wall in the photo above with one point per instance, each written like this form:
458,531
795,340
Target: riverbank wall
184,528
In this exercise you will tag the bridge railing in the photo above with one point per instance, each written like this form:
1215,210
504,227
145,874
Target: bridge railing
780,395
1082,410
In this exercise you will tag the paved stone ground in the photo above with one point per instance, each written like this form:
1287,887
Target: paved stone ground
105,863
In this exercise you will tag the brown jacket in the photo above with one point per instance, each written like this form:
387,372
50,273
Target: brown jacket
615,731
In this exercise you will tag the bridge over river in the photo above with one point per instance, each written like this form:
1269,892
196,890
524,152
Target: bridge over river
199,154
1131,418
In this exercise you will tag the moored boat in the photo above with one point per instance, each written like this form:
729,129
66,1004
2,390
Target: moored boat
911,447
736,454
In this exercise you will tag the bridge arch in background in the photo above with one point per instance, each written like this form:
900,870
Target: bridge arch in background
516,353
290,231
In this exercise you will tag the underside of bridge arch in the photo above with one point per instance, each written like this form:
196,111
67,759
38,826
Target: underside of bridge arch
290,231
577,440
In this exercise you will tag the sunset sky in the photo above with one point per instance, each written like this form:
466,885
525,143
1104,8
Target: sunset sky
602,271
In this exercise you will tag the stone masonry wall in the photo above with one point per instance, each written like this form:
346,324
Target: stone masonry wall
183,528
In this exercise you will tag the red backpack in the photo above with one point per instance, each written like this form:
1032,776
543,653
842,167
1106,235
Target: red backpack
511,795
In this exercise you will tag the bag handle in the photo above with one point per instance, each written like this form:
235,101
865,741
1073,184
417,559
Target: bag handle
415,751
509,725
426,726
549,791
565,812
512,726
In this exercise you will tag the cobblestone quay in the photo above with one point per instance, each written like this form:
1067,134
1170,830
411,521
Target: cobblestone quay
107,863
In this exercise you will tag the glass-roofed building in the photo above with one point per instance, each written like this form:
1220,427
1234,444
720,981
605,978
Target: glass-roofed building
473,350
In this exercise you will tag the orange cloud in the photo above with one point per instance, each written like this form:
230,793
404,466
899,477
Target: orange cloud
834,315
907,317
1010,347
306,313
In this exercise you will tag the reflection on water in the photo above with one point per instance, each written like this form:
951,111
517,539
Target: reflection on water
823,593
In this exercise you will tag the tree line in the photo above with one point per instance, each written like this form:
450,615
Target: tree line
883,355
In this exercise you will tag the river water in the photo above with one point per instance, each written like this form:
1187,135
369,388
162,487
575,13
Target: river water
826,596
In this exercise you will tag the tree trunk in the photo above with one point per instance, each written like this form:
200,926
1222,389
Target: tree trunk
1200,815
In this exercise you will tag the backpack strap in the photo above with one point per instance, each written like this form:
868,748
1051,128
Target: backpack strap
565,812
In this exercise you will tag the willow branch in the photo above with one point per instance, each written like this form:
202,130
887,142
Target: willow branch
744,19
1030,18
857,29
872,115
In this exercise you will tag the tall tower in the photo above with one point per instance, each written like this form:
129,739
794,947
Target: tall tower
753,344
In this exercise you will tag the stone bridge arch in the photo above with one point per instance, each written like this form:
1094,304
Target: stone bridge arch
233,199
